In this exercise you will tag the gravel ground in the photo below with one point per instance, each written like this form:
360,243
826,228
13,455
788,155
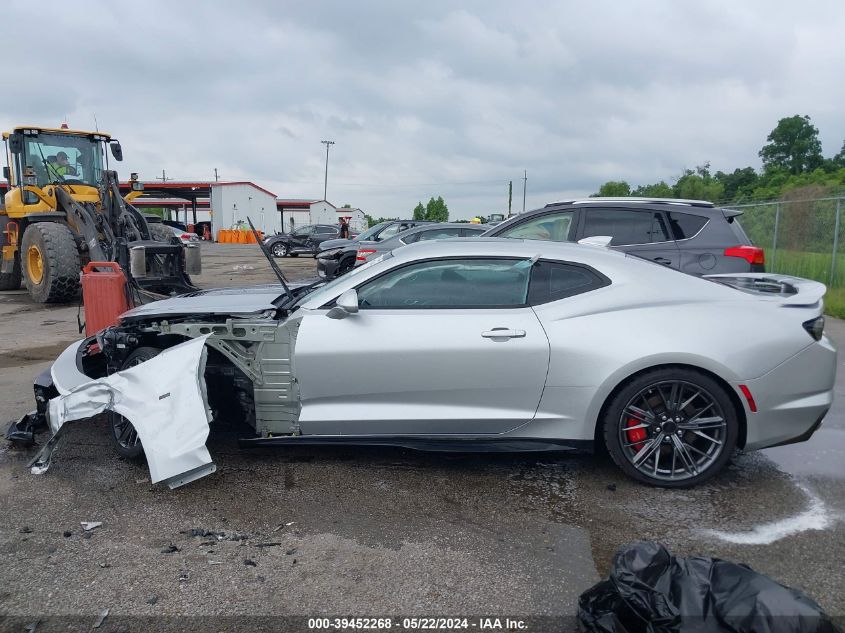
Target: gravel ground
313,531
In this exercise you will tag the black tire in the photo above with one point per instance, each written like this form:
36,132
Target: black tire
160,232
677,437
345,266
56,278
279,249
10,280
123,435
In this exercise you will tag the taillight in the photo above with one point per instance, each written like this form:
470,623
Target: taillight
815,327
186,236
751,254
364,253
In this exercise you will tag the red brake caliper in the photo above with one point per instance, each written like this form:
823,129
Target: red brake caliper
636,435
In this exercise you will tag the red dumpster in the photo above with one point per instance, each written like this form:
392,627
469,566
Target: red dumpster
104,295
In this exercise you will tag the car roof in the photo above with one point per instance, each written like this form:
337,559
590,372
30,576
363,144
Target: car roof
682,202
505,247
429,226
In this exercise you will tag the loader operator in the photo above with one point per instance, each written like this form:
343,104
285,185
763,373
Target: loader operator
62,166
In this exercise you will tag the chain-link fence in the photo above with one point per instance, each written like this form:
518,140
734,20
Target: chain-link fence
801,236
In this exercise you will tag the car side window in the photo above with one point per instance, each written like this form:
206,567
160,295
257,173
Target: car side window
438,234
326,230
449,283
626,226
552,227
470,232
387,233
551,281
685,225
303,231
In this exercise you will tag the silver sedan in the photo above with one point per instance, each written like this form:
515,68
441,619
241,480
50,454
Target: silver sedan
479,344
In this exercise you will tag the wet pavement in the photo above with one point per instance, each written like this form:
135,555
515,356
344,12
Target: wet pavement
375,531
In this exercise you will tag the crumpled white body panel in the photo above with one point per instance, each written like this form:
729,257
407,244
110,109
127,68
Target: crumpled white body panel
164,399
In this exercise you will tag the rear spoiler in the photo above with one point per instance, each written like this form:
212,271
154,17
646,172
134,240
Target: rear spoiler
731,214
791,291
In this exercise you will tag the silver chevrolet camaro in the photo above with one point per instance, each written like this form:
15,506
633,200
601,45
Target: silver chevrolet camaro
467,345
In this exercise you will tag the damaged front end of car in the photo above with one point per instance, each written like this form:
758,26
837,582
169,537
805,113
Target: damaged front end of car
207,365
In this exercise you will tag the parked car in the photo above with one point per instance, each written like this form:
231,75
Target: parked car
690,235
466,344
338,256
184,236
442,230
305,240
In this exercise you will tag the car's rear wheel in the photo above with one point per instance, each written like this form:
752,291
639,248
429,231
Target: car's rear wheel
672,427
280,249
122,433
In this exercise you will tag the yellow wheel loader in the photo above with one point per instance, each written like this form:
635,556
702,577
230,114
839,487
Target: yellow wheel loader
64,209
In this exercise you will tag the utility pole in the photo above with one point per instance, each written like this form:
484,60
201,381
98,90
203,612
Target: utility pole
524,187
510,196
163,177
216,178
326,181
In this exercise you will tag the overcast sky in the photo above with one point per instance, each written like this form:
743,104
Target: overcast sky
428,98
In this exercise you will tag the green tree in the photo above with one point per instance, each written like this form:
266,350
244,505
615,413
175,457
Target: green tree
657,190
371,221
698,184
613,189
793,145
738,184
419,212
839,159
436,210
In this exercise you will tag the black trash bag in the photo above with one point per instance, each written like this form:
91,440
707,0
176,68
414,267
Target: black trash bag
651,591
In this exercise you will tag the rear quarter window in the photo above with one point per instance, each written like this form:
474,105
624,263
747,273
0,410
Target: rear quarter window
686,225
551,281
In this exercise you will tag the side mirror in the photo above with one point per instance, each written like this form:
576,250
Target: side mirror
16,143
346,305
116,150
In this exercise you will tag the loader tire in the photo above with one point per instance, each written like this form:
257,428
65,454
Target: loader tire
160,232
50,263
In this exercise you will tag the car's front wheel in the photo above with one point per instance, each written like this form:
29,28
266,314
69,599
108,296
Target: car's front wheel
671,427
123,435
280,249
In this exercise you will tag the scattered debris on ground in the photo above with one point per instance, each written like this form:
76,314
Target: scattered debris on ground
102,618
90,525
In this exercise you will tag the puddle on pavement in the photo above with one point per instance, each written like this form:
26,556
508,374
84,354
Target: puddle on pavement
821,455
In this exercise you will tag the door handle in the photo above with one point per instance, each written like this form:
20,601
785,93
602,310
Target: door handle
502,332
663,260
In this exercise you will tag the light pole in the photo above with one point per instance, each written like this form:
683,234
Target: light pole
326,181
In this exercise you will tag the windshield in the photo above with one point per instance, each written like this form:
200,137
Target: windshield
326,291
57,158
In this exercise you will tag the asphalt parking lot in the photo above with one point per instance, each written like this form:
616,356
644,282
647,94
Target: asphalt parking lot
312,531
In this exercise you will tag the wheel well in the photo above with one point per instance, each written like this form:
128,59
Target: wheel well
732,394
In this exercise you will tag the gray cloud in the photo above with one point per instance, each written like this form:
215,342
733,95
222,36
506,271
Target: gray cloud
463,95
